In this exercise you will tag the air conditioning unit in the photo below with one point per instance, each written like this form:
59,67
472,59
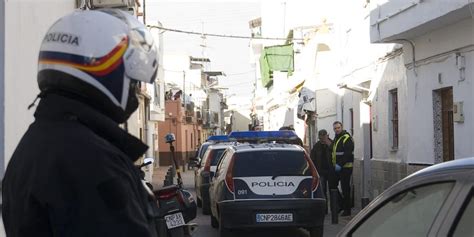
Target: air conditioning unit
189,119
111,3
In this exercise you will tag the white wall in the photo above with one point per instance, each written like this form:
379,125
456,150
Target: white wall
241,120
400,18
281,15
326,109
421,89
358,62
26,22
392,77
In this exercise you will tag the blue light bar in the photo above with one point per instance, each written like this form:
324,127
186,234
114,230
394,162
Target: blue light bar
284,135
218,138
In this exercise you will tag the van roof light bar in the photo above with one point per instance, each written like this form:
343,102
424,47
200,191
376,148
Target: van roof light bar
287,136
218,138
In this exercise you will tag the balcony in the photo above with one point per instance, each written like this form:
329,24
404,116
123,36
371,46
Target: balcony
407,19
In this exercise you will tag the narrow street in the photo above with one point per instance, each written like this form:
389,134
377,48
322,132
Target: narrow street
204,225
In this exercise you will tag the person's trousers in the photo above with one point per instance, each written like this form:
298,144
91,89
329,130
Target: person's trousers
323,180
344,177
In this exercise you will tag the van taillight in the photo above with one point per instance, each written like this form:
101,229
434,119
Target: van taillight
166,194
314,173
229,176
207,166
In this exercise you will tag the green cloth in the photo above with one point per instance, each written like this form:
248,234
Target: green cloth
276,58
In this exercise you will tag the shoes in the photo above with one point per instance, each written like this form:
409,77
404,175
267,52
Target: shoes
346,213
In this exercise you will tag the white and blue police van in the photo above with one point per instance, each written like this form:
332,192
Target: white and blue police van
266,181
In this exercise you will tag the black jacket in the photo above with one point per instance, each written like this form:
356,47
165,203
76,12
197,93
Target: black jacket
321,157
72,174
345,149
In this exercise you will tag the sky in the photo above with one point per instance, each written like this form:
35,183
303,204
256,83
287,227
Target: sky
231,56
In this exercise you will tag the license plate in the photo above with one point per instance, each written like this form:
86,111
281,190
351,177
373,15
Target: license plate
174,220
275,217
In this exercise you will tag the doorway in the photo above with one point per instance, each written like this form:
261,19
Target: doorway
443,124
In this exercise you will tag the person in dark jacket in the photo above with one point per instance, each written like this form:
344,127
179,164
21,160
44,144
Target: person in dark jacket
73,172
321,157
342,160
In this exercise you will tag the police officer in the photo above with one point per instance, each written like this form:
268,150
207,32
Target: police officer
73,172
342,160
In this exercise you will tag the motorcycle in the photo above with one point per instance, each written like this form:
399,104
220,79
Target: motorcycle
177,206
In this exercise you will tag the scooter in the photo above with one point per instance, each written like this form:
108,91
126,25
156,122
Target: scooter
177,207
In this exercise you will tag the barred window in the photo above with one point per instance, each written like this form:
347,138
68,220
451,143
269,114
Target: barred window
393,107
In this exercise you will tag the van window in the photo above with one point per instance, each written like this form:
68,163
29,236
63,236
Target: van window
203,149
270,163
216,154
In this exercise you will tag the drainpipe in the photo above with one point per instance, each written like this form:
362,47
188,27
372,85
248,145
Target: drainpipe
413,58
149,128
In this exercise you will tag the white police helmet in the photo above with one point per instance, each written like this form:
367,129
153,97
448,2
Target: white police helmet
99,55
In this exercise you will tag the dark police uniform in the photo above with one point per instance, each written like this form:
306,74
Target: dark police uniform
73,174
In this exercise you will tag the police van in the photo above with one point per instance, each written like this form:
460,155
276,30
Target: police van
266,182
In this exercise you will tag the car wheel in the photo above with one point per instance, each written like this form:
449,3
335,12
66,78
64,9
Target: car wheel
316,231
214,222
206,207
199,202
223,232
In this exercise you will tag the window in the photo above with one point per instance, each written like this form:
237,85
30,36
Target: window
464,226
410,213
223,163
393,113
216,155
269,163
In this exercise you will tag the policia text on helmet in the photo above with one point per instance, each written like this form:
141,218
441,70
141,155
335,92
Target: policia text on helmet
98,64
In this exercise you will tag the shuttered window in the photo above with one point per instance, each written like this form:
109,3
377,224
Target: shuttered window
394,118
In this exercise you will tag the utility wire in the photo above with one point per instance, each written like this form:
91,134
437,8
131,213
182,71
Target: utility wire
217,35
240,73
227,75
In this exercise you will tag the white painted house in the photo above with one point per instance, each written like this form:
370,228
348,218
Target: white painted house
22,27
438,45
398,74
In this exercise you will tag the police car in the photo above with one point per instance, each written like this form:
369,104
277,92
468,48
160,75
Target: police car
193,162
205,171
266,183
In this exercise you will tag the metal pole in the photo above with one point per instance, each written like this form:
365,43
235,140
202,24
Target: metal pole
334,196
185,148
184,91
180,181
144,12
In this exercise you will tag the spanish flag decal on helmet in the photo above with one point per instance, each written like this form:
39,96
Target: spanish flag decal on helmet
95,66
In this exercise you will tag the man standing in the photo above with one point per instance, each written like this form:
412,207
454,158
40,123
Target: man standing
321,157
342,159
73,172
